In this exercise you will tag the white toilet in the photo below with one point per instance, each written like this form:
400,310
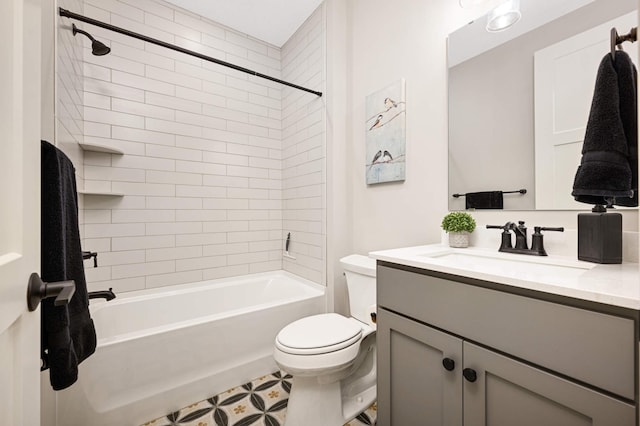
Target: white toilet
332,358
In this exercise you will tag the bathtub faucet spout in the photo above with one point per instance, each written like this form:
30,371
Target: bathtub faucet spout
103,294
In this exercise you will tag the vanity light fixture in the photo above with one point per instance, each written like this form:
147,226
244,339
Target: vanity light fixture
503,16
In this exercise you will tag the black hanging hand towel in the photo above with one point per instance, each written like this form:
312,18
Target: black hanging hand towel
608,169
484,200
68,334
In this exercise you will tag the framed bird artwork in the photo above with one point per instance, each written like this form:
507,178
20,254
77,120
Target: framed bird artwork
386,134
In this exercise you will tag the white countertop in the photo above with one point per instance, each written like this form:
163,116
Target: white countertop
617,285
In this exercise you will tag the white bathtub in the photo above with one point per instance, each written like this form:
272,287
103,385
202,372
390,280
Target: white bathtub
160,350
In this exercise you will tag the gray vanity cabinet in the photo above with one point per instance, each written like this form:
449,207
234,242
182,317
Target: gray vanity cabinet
457,353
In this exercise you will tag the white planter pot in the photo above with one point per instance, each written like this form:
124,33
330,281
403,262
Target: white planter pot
459,239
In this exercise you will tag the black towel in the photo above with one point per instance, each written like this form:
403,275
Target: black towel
68,335
484,200
608,170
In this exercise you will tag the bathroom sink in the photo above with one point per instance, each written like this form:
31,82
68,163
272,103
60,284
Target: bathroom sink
508,263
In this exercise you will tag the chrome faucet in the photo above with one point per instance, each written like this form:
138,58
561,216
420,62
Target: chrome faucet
520,231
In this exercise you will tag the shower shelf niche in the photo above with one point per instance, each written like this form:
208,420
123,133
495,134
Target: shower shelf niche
98,147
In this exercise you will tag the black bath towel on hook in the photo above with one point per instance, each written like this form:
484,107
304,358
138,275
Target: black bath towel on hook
68,335
608,170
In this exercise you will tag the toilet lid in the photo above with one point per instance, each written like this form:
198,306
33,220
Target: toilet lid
318,334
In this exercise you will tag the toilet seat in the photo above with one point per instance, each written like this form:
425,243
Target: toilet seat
319,334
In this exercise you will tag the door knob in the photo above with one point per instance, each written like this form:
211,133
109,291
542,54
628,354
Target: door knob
37,290
470,374
448,364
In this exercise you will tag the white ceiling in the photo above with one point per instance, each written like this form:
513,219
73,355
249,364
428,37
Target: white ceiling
273,21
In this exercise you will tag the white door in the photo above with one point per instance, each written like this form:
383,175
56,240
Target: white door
19,210
565,75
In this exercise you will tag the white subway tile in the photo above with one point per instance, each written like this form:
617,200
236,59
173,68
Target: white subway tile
97,216
266,245
142,216
113,230
248,129
118,286
97,101
203,25
152,189
236,259
247,172
262,225
173,253
109,202
172,102
96,72
224,272
153,281
201,144
148,30
119,8
172,27
197,167
239,237
200,120
248,193
224,136
142,57
224,90
97,274
200,191
247,107
100,245
173,153
222,249
199,96
147,163
172,77
146,242
113,174
174,228
224,204
228,181
225,113
199,73
272,265
200,215
201,263
247,85
225,226
114,90
172,127
142,269
144,83
111,117
143,109
121,257
220,158
161,203
92,158
151,6
140,135
115,62
173,178
248,214
200,239
245,41
248,150
97,129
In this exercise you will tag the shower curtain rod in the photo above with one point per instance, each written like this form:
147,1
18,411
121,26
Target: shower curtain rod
67,14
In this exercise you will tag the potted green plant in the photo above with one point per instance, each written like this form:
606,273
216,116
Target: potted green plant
458,225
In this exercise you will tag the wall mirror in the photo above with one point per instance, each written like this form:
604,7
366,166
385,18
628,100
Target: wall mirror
519,99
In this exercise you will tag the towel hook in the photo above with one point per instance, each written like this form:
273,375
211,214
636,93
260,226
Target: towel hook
616,40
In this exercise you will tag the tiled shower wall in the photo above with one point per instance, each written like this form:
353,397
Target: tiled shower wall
202,169
303,149
69,90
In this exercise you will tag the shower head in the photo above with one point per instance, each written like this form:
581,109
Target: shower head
97,48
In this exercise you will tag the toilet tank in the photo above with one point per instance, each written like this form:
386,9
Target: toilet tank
360,272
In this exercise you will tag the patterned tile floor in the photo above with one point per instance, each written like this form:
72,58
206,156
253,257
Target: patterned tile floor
261,402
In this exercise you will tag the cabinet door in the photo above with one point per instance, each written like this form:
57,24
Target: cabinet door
414,387
507,392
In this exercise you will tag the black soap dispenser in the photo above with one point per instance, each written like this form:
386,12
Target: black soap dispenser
600,236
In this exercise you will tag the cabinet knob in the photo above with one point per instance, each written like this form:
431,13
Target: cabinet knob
448,364
470,374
